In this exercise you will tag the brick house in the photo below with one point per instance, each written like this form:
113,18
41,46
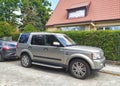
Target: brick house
85,15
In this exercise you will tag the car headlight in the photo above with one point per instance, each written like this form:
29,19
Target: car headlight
95,55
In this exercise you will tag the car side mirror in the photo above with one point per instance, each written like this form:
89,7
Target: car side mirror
56,43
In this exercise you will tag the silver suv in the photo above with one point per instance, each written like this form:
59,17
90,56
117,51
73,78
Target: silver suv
58,50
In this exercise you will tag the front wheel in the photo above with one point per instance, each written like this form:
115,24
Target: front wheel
79,69
26,61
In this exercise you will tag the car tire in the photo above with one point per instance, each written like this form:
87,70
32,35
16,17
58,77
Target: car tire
79,69
26,61
1,58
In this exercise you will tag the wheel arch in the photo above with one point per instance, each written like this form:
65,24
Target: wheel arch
26,52
82,57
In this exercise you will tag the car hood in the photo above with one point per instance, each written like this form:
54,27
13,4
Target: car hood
84,48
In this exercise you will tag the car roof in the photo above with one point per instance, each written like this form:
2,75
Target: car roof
45,33
13,42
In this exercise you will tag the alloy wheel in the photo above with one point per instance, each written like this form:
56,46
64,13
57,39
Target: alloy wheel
26,61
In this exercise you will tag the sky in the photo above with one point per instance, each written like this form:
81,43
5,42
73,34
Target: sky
54,3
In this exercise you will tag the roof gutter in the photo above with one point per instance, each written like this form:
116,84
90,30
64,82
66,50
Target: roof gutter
72,23
92,23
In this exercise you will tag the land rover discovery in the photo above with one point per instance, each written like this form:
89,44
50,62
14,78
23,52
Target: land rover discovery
58,50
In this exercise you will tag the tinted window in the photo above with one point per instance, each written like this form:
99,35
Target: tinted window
37,40
50,39
24,38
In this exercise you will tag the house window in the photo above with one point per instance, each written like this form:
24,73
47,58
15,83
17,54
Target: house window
76,13
115,27
78,10
73,28
109,28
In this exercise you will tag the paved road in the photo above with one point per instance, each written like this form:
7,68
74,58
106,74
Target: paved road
12,74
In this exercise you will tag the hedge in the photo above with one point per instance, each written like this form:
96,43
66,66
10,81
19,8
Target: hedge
109,41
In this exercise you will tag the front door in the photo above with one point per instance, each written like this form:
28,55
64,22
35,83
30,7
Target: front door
53,53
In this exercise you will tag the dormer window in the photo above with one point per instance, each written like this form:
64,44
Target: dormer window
77,13
78,10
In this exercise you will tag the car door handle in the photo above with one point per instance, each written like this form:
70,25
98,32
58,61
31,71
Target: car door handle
45,49
29,47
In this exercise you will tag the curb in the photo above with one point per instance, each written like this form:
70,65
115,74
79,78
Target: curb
113,62
109,72
111,69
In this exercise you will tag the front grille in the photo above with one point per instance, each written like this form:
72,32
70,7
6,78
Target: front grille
101,53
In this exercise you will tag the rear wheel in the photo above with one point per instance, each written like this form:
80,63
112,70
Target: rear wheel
26,61
1,58
79,69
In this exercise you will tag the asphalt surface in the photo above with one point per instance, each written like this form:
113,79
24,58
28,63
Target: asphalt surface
13,74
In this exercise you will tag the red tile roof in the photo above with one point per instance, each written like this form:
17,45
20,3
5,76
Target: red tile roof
79,5
98,10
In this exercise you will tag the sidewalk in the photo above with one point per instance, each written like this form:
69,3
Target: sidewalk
111,68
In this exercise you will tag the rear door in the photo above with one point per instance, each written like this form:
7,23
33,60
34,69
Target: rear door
37,46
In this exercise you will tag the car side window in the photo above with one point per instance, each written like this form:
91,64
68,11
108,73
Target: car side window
0,43
49,39
37,40
24,38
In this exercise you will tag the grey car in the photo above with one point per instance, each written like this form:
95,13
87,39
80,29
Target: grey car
7,50
58,50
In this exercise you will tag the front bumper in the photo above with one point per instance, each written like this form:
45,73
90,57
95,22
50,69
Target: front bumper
99,64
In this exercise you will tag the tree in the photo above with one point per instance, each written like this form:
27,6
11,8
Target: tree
35,12
29,28
6,29
6,10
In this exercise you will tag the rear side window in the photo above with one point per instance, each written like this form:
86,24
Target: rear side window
37,40
24,38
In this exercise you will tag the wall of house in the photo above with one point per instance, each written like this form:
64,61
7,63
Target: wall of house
52,29
104,24
91,26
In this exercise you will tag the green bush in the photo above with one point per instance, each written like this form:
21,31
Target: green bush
6,29
15,36
29,28
109,41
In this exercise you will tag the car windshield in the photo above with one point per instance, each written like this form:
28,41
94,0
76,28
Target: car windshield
65,40
0,43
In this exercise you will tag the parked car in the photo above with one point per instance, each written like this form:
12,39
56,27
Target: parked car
58,50
7,50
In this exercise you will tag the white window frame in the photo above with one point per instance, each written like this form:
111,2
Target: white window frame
77,13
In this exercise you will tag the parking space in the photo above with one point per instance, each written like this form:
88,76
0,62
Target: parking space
13,74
